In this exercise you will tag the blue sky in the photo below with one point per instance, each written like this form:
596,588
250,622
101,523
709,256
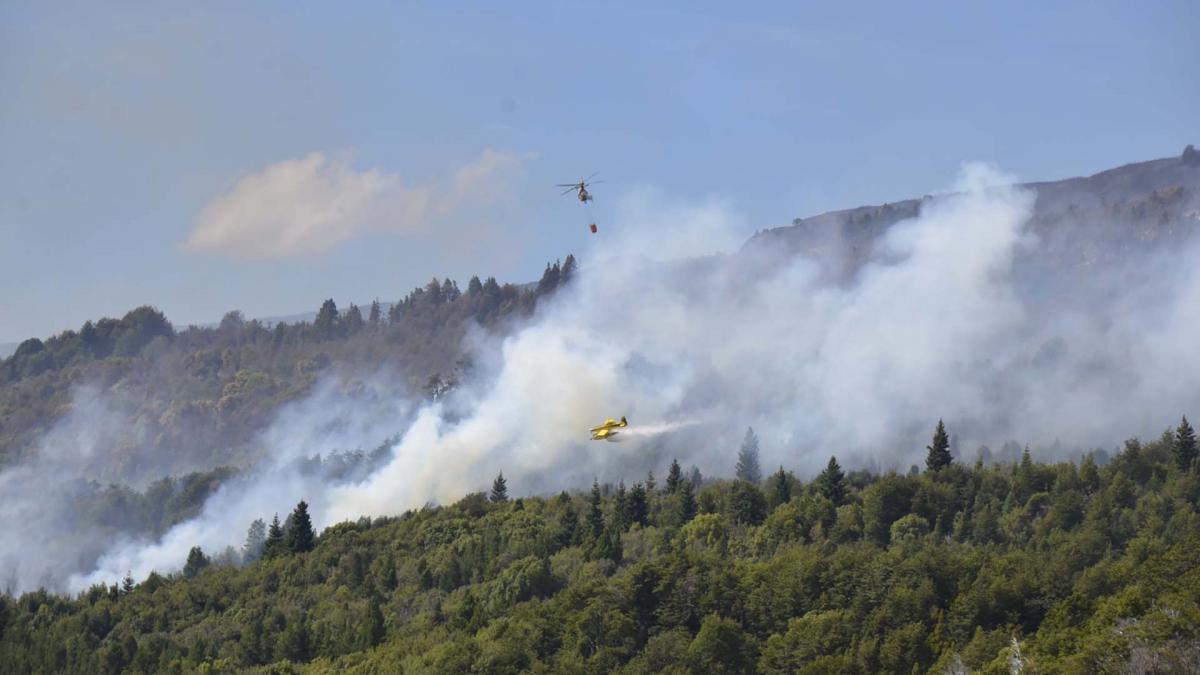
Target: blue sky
175,153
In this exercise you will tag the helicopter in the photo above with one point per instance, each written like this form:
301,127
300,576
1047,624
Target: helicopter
580,188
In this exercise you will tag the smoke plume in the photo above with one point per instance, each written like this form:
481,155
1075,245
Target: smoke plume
937,323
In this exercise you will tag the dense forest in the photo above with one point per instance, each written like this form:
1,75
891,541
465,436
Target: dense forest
992,567
194,399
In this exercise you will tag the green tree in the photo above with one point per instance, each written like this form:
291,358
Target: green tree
939,452
196,561
274,545
595,521
1185,445
747,464
326,324
674,477
781,488
832,483
568,525
295,643
352,321
375,317
256,539
373,626
686,508
747,503
638,508
721,646
620,512
499,489
300,535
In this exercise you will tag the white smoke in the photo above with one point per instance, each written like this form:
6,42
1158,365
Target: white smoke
932,326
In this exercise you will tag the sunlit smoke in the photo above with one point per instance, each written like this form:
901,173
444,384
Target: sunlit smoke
935,324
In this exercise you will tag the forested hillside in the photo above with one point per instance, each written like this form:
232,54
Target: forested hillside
1020,567
193,399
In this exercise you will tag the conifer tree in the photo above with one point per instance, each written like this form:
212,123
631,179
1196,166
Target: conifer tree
499,489
375,316
326,323
352,321
595,519
831,483
674,477
1185,445
568,525
568,269
687,503
650,482
300,535
747,463
639,509
196,561
127,583
939,452
373,627
781,487
274,545
621,508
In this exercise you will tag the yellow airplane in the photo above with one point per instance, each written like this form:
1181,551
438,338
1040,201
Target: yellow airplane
606,431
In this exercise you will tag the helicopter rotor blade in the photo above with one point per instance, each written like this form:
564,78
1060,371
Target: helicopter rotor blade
570,190
594,173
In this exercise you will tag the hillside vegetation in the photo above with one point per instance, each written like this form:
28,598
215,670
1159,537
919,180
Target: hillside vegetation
1027,567
194,399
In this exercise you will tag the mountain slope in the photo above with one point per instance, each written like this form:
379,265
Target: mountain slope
1135,209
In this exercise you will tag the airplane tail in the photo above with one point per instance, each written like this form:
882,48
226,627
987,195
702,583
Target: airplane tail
623,422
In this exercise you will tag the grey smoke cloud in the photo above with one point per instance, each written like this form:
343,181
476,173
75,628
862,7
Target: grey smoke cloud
938,323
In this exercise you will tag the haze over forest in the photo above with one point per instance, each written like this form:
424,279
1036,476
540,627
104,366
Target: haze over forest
1045,324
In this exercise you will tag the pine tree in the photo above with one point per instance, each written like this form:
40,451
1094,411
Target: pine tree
781,487
373,627
256,538
621,508
274,545
375,317
639,509
687,503
196,561
595,521
747,463
1185,445
831,483
939,452
499,489
326,323
568,526
300,535
568,269
674,477
650,482
127,583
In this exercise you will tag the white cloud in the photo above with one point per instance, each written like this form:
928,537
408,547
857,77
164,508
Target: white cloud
309,205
